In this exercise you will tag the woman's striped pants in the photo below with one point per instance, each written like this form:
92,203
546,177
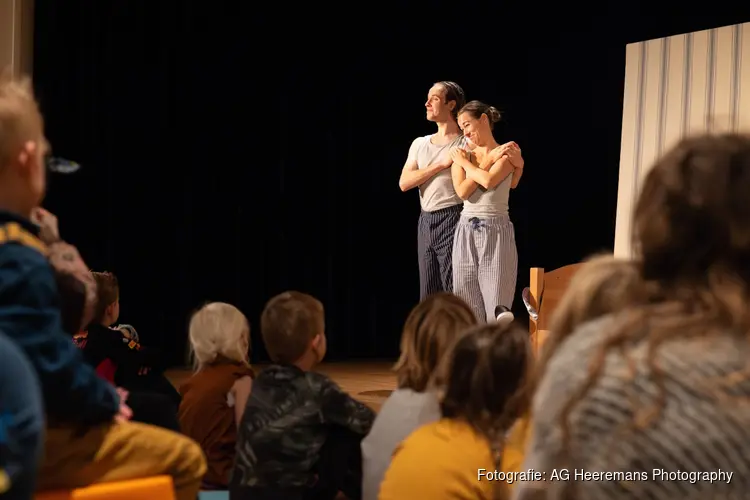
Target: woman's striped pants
485,263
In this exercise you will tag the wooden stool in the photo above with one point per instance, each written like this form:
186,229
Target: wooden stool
151,488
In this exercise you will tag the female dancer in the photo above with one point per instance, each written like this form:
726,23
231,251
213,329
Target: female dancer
485,259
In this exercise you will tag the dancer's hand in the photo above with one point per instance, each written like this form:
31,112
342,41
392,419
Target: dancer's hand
458,154
509,149
445,162
504,149
514,153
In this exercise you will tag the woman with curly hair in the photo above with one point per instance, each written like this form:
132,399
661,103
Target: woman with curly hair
655,396
603,285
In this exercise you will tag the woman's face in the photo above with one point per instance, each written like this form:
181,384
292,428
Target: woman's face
472,128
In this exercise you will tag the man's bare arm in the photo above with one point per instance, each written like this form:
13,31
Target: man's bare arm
412,176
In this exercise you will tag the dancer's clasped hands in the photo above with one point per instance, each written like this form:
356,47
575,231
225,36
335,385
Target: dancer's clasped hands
512,151
458,154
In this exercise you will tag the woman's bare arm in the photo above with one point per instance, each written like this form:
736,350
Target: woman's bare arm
496,174
517,173
464,186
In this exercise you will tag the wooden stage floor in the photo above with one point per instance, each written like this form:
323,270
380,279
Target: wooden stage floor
369,382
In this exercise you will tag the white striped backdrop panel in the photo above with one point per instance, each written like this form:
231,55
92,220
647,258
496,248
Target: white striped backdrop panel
676,86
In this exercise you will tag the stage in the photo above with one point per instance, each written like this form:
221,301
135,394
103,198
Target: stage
369,382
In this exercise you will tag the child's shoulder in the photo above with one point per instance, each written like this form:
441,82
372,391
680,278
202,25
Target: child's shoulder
280,375
15,233
21,252
448,435
320,380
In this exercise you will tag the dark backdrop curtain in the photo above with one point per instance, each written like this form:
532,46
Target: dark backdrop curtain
233,150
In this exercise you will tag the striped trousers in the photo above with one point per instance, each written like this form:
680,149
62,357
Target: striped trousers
435,232
485,264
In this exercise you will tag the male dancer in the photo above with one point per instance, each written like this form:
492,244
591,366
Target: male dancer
428,167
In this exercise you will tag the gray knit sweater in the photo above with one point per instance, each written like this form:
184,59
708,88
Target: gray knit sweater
699,447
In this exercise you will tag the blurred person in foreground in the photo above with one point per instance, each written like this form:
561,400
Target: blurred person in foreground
88,436
663,385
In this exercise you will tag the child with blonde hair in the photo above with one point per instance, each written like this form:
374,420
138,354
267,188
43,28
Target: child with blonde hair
88,438
214,398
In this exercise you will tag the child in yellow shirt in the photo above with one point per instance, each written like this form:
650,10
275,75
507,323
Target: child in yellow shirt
444,460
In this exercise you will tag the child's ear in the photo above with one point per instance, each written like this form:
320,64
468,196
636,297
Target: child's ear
316,341
25,155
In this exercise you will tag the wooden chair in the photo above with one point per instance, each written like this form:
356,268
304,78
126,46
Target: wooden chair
546,289
151,488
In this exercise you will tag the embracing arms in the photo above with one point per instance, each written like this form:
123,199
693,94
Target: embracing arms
489,179
464,185
517,161
494,168
412,176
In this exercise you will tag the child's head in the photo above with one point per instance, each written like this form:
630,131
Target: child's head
293,329
22,147
218,330
430,330
489,368
107,299
603,285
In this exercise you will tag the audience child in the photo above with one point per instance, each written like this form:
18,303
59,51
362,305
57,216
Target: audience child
135,364
88,438
431,329
214,398
76,286
488,370
300,435
113,351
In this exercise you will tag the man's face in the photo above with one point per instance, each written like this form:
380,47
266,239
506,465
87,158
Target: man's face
437,109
